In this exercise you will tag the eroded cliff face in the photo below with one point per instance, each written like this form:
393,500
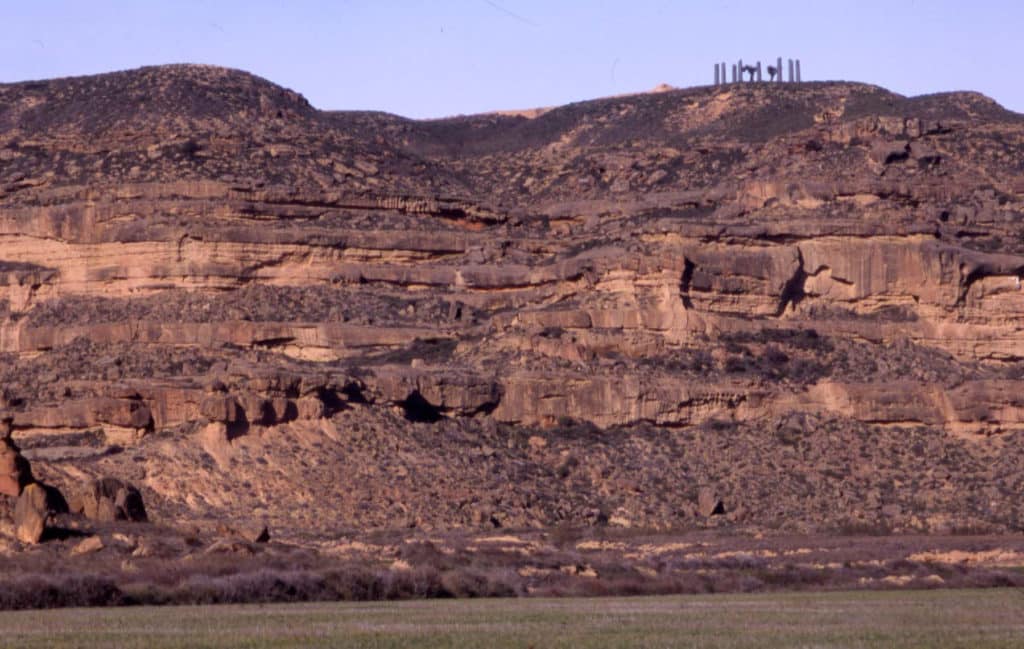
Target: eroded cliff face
804,297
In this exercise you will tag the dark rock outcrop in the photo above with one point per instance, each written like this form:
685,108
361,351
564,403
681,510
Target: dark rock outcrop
107,500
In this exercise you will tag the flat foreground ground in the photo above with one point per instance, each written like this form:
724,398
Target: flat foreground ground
946,618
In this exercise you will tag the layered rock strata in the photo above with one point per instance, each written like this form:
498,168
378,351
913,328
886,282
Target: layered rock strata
200,270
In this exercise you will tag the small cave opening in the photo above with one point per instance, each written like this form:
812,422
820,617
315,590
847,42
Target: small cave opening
417,409
270,343
333,403
239,427
897,156
354,393
453,213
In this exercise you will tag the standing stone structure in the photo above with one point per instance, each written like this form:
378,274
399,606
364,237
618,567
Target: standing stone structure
756,71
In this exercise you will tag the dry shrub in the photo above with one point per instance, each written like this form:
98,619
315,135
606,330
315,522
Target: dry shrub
470,582
349,583
360,583
38,591
418,583
470,568
425,553
992,579
253,587
794,577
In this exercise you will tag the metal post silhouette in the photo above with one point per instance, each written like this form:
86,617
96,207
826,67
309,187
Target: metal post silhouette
756,72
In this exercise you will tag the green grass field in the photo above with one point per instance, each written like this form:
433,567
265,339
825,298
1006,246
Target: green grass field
946,618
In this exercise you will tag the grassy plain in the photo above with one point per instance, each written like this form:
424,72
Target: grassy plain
977,619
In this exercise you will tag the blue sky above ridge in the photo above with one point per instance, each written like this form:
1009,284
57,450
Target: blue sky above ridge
432,59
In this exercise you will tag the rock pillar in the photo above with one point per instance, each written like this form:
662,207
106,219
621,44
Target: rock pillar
15,472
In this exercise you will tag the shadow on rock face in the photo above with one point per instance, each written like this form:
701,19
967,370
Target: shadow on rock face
61,534
418,409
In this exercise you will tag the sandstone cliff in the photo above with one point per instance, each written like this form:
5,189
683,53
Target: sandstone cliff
803,299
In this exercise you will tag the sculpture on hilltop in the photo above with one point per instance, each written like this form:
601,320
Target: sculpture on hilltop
754,72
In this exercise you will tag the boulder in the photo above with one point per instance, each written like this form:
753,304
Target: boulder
230,546
36,504
255,533
221,408
109,499
251,532
88,546
258,410
15,471
311,407
708,503
215,439
30,514
284,410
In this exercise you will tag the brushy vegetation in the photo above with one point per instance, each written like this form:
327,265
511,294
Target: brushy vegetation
467,567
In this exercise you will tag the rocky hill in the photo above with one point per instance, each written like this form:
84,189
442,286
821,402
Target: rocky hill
763,305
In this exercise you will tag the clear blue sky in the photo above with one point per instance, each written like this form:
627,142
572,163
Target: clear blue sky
424,58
